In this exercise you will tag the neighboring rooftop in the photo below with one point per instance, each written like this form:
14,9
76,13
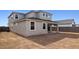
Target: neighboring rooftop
66,21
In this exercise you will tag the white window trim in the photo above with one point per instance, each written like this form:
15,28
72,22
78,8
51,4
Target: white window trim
34,25
15,18
45,25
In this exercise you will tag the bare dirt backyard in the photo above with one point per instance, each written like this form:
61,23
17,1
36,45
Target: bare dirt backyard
53,40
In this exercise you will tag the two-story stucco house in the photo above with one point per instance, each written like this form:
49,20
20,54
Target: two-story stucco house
31,23
34,23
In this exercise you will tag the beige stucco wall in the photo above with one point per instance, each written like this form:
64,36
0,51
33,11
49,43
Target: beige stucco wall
19,28
40,15
23,28
38,28
12,17
30,15
20,16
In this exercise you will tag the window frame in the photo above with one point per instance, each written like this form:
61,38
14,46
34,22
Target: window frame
44,25
17,17
32,25
43,14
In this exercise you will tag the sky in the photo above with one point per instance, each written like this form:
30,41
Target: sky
57,15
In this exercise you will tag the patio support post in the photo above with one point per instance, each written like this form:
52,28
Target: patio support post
57,29
51,28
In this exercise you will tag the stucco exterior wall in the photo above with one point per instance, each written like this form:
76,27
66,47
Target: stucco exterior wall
23,28
38,28
40,15
30,15
19,28
20,16
12,18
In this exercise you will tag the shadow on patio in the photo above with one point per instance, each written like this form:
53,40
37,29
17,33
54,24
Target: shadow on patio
51,38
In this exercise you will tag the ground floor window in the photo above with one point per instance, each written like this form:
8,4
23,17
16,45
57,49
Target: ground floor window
32,25
44,26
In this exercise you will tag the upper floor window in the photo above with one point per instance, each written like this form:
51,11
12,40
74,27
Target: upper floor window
47,15
16,16
44,26
43,14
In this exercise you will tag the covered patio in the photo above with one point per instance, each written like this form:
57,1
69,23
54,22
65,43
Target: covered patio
55,26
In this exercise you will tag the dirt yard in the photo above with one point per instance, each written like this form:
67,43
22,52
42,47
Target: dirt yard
62,40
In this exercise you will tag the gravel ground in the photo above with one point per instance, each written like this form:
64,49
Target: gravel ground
9,40
62,40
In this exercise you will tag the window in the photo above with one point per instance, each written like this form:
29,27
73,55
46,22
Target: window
47,15
32,26
16,16
44,26
43,14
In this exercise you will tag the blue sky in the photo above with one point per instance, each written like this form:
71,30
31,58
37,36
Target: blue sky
57,15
